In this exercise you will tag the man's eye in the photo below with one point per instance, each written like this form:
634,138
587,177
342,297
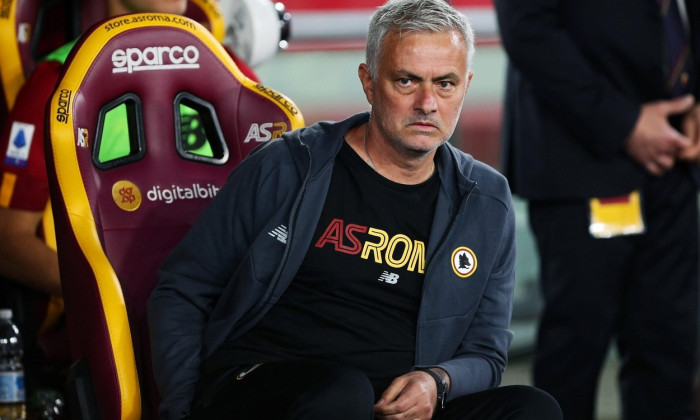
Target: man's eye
446,85
404,81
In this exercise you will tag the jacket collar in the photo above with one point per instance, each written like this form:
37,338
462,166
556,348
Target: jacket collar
453,166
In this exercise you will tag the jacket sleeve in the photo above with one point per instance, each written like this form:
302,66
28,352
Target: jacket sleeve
190,281
482,354
541,48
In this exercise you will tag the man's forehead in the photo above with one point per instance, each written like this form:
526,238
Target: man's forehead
425,50
413,39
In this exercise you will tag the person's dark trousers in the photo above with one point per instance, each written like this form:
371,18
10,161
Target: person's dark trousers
640,290
300,390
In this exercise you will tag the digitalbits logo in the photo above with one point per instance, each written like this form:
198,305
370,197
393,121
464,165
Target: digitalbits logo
126,195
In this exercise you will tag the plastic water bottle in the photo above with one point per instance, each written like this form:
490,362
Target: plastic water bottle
12,395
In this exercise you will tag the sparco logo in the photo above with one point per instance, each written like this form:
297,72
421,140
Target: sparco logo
63,105
155,58
278,97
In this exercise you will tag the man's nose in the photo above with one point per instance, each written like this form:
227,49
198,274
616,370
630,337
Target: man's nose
426,100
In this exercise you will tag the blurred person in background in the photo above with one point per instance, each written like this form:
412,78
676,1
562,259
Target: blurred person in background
602,136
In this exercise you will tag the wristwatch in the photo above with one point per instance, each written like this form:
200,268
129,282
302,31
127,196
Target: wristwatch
441,383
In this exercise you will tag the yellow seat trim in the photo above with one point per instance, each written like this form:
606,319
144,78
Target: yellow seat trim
215,17
11,69
7,188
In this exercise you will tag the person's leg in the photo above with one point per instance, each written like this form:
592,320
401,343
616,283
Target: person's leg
582,284
294,390
515,402
657,338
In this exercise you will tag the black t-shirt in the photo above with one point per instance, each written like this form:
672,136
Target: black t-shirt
356,296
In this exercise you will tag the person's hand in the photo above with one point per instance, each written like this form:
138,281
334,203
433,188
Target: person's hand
691,129
410,396
654,143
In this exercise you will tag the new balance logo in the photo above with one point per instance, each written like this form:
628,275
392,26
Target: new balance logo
279,233
242,374
389,278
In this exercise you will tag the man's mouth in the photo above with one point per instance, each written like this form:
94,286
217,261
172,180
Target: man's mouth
424,124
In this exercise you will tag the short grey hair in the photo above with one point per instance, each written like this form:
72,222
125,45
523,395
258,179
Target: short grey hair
406,16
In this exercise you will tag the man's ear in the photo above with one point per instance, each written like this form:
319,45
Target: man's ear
366,80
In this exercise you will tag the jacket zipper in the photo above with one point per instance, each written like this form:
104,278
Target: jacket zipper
283,262
438,250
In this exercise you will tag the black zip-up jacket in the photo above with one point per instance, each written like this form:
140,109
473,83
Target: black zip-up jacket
233,266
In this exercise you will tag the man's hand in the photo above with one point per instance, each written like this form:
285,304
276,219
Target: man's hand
654,143
691,129
410,396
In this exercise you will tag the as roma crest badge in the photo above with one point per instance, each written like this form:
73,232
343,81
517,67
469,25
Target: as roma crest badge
463,262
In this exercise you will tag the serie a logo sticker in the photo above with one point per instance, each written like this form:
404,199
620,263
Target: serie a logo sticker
463,261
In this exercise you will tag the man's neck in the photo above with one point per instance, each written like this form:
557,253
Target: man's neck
389,163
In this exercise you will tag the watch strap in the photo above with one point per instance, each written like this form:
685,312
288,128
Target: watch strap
441,383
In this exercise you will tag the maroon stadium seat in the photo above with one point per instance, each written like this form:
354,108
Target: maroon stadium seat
147,122
29,30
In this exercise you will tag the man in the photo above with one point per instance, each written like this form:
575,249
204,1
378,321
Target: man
601,137
357,269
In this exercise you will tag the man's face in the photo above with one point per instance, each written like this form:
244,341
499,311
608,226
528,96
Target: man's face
177,7
419,89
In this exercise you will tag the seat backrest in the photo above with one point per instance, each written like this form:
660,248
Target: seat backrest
145,125
30,29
